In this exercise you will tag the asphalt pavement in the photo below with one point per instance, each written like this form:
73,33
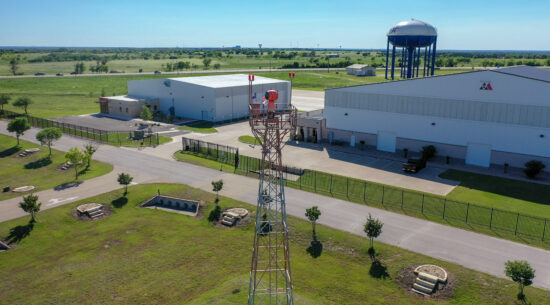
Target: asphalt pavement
476,251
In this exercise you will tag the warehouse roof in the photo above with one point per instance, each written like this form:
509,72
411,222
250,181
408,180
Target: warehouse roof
526,71
223,81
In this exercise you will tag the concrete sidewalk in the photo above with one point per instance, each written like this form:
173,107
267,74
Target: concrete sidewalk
476,251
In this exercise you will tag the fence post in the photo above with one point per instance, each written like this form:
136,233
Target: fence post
364,191
444,207
422,211
467,212
330,187
544,229
300,182
383,195
315,181
491,220
217,151
402,195
517,221
247,161
347,187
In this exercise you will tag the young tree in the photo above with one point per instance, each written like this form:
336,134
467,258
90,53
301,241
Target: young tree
76,157
521,273
23,102
313,214
217,187
125,179
30,205
47,136
89,151
206,62
146,114
19,126
4,100
373,228
14,65
217,66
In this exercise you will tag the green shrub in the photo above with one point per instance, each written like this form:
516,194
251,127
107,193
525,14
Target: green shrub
428,152
533,168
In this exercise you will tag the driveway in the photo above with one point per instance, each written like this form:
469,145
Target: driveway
335,160
306,100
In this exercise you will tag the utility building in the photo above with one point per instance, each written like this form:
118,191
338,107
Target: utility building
361,70
210,98
499,116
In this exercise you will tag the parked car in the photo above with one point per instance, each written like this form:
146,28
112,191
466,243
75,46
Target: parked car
59,74
414,165
157,72
73,73
39,73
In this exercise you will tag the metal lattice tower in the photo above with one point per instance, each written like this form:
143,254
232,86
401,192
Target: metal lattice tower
270,277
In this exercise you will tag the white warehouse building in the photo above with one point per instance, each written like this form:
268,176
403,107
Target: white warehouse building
485,117
210,98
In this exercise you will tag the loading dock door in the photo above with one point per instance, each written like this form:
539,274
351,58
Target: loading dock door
478,154
385,141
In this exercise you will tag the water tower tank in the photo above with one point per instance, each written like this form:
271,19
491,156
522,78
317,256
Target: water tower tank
411,36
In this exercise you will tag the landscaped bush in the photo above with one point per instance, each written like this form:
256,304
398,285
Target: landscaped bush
428,152
533,168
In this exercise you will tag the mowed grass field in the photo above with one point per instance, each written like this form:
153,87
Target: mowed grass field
501,193
502,220
148,256
36,169
63,96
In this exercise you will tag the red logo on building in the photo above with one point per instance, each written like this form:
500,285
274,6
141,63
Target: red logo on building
486,86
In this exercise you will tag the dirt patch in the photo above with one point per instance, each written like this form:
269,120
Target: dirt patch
444,292
107,211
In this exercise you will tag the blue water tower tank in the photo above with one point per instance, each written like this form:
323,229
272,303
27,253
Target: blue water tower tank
416,39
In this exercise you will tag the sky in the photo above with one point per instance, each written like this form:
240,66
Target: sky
462,25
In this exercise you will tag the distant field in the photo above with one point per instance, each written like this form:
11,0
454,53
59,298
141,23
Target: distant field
56,97
134,60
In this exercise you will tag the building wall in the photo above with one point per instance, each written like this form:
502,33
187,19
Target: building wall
507,89
502,137
203,103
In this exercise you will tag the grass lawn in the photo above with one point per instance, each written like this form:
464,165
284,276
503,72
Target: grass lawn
502,193
249,140
36,169
63,96
202,127
147,256
502,223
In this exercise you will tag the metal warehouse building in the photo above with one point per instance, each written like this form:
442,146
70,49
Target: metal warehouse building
211,98
484,117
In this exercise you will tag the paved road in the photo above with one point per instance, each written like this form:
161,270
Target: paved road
170,74
472,250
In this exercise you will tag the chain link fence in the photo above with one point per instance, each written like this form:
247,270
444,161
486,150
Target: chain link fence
117,138
368,192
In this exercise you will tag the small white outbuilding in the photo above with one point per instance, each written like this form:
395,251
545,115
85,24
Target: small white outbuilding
361,70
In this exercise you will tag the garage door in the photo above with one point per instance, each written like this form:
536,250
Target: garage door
385,141
478,154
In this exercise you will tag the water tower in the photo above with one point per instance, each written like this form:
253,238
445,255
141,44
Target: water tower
411,37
